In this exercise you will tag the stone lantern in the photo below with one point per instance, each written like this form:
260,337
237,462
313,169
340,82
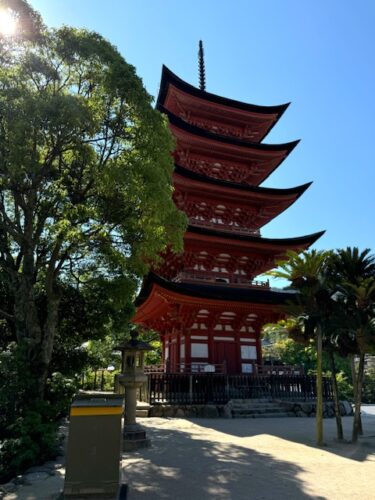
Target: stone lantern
132,377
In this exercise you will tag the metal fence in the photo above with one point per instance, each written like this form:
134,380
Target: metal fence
203,388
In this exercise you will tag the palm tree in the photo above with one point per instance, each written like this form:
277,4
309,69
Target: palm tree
353,273
359,319
306,271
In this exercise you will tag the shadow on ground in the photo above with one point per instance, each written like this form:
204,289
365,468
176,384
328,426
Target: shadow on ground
200,469
302,431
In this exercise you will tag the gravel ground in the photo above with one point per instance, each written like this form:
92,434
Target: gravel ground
265,459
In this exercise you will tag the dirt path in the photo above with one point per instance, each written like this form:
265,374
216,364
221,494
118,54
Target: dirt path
268,459
241,459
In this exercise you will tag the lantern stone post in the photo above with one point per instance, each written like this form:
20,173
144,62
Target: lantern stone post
132,377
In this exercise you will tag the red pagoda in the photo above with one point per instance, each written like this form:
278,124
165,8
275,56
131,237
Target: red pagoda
205,304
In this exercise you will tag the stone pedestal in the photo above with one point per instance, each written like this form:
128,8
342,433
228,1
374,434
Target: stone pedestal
134,436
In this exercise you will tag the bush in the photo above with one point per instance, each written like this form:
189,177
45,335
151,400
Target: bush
28,427
369,387
59,393
345,387
30,440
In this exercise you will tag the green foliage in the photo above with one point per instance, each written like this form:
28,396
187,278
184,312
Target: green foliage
59,393
369,386
344,386
28,427
29,440
85,209
85,186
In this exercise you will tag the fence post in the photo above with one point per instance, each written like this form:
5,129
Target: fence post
227,388
148,390
191,388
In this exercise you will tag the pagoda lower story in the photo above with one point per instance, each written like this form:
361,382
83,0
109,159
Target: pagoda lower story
205,303
206,328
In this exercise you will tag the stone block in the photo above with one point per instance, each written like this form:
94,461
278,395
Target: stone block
169,411
156,411
210,411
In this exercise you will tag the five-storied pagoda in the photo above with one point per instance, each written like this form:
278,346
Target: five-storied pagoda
205,303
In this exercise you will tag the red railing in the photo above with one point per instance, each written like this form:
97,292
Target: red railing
222,226
221,279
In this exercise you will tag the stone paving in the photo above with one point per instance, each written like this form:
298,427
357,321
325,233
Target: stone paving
267,459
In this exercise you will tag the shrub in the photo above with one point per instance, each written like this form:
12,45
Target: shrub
30,440
345,387
28,427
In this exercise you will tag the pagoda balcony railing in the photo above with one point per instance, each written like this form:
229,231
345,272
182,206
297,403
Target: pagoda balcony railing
221,279
221,226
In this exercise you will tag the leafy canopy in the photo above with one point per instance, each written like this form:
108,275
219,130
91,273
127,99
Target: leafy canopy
85,165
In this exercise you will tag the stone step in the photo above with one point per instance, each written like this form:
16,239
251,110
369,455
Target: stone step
257,411
265,415
258,405
143,409
142,405
141,413
260,410
251,401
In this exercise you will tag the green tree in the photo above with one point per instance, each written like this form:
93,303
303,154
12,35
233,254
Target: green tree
354,274
85,177
305,271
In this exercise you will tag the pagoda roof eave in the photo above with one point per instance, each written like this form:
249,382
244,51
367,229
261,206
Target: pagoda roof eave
297,242
168,77
297,190
213,292
200,132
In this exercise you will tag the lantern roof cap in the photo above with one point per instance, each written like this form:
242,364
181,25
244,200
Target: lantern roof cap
133,344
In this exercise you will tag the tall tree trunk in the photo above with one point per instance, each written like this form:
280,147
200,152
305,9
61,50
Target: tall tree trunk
49,330
29,333
340,433
319,386
358,399
33,336
354,381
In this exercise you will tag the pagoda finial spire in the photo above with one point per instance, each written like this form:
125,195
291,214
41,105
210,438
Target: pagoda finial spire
202,71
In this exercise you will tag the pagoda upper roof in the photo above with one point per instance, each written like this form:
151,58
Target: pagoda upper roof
259,205
225,157
287,243
296,191
198,131
214,292
244,119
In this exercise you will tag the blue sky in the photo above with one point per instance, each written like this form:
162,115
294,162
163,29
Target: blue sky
317,54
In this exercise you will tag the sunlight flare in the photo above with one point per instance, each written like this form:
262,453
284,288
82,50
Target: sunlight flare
8,22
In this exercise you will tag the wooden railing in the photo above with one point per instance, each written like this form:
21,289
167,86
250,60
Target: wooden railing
203,388
221,279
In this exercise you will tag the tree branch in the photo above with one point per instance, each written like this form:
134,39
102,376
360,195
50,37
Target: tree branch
6,315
